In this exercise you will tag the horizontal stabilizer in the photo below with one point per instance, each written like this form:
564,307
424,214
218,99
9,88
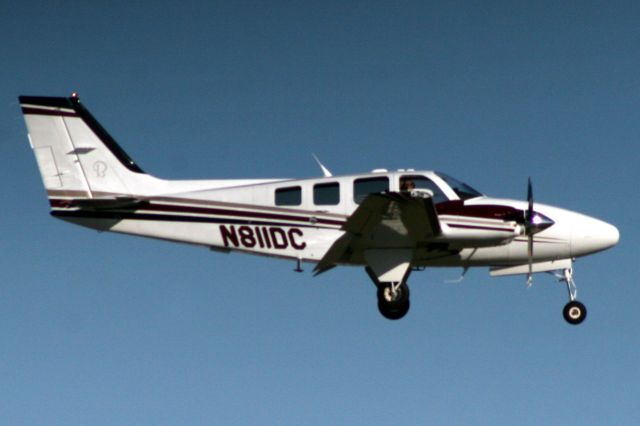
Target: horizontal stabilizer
108,203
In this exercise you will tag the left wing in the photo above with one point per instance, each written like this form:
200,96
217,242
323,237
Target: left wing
391,220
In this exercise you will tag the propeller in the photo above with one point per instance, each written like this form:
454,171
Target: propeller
533,223
528,230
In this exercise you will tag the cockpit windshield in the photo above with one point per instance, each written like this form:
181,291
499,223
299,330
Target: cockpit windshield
463,190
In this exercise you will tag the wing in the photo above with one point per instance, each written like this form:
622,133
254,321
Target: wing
391,220
418,215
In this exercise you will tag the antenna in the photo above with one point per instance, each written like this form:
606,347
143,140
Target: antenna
325,171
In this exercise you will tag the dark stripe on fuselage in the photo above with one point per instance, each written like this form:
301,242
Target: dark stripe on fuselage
169,208
84,214
248,217
485,211
239,213
482,228
133,215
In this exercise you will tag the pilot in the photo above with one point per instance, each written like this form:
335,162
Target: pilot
407,184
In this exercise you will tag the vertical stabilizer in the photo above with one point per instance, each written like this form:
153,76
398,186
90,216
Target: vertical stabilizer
77,158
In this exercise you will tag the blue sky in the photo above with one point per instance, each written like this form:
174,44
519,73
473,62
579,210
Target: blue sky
109,329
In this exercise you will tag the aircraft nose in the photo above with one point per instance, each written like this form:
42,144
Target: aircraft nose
592,235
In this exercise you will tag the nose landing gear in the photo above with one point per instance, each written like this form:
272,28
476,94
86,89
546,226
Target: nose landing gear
574,312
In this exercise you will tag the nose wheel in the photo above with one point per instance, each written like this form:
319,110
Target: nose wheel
574,312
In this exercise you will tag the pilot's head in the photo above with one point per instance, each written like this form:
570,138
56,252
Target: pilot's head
407,184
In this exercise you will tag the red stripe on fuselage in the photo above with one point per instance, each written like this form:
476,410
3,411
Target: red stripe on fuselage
171,208
482,228
485,211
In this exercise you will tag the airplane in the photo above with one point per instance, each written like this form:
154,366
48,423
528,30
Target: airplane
389,222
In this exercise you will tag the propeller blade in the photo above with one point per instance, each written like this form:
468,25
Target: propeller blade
529,230
529,216
533,223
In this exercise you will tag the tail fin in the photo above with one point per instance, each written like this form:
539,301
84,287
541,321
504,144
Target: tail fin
76,156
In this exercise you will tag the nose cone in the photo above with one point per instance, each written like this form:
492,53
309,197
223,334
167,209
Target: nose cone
591,235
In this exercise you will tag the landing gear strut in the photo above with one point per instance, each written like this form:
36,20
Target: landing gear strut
393,297
574,312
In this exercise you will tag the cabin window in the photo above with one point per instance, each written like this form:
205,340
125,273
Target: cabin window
326,194
411,182
366,186
291,196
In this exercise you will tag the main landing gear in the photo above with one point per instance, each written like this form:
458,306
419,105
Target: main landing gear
393,297
393,300
574,312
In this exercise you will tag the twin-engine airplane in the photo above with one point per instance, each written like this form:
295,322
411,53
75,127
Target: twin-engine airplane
390,223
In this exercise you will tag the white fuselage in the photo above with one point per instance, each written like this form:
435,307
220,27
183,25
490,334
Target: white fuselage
250,218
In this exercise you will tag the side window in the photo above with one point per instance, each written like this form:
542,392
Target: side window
410,182
291,196
326,194
366,186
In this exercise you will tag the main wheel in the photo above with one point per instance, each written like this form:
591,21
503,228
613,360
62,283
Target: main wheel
574,312
393,305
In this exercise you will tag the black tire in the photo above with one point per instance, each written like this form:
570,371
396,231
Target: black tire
393,308
574,312
395,312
